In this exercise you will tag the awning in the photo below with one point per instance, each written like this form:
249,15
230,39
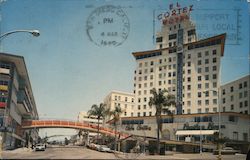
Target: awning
195,132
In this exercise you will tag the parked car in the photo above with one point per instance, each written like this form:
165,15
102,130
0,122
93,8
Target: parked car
40,147
226,150
104,148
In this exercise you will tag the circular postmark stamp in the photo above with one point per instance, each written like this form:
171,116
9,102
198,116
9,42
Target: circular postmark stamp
108,26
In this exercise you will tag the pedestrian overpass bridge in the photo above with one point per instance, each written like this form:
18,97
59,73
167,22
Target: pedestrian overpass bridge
29,124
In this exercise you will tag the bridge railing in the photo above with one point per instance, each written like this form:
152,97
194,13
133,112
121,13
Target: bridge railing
69,123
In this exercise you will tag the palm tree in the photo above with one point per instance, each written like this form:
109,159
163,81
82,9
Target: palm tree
162,102
99,112
115,114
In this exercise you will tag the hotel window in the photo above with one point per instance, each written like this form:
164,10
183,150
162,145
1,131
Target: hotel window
245,93
232,89
214,101
214,68
189,79
146,64
206,77
174,59
199,110
145,99
188,95
159,83
151,84
245,103
151,76
139,85
139,92
189,103
206,61
206,110
199,70
144,106
150,113
174,43
214,84
132,114
145,84
115,97
174,74
169,66
145,78
199,62
138,114
199,54
188,56
139,78
206,53
207,94
206,102
160,61
132,100
160,46
232,98
223,92
169,81
169,59
189,71
139,100
224,100
170,44
151,70
174,66
206,69
232,107
169,74
125,113
214,52
140,64
199,78
189,87
240,85
145,91
146,71
199,86
214,60
144,114
188,111
245,84
214,109
189,64
152,63
199,102
206,85
199,94
160,68
214,76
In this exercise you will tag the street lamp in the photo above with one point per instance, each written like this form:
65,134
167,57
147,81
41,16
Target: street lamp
35,33
219,123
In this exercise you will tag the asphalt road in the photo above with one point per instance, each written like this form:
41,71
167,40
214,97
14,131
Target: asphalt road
84,153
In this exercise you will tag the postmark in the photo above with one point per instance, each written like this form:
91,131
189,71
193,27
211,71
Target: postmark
108,26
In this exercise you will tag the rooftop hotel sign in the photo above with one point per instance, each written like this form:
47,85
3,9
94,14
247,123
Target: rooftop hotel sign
175,14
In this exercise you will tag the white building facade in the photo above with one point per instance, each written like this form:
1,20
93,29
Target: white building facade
182,64
124,100
235,96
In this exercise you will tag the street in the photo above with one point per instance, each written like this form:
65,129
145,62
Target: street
84,153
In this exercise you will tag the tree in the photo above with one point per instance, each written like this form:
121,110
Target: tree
99,112
115,114
162,102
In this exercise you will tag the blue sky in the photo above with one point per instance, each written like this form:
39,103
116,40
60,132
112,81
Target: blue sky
69,73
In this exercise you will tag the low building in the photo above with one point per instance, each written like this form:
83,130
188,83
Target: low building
84,117
189,127
122,99
17,102
235,96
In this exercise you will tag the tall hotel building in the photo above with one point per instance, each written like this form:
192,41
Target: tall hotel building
17,102
181,63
